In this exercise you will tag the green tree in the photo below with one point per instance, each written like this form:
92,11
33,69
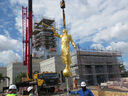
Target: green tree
122,68
19,77
124,72
1,77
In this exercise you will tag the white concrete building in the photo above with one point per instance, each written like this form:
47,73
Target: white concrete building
3,70
15,68
18,67
54,64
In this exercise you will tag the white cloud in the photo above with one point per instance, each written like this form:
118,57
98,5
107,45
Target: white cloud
7,57
117,32
117,46
97,46
99,21
18,20
9,44
40,9
126,65
88,17
9,49
120,46
23,2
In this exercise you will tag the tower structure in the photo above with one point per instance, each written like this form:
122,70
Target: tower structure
44,42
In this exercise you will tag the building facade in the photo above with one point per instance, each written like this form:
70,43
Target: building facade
53,64
96,67
44,41
15,68
3,83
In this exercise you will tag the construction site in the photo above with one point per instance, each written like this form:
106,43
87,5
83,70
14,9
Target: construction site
43,64
100,69
44,42
96,66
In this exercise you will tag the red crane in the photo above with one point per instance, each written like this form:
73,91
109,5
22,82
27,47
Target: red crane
27,36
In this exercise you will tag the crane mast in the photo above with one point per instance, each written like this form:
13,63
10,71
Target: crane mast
27,37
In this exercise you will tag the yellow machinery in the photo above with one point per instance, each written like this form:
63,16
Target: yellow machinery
45,82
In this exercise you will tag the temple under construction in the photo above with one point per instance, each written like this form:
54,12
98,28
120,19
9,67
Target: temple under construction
96,67
92,66
44,42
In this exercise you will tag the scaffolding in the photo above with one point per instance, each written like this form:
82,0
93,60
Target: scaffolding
44,40
95,66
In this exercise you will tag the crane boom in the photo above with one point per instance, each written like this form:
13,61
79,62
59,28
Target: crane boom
27,37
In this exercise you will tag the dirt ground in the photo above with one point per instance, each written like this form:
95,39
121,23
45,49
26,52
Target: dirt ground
95,92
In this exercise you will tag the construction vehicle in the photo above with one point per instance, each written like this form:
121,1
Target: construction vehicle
45,82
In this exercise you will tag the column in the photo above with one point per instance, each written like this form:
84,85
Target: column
106,72
94,74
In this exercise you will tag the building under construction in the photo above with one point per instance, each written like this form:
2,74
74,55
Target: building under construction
44,42
96,67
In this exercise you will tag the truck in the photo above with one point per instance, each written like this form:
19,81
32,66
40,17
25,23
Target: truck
43,82
47,81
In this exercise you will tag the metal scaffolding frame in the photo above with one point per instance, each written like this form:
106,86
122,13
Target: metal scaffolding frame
44,39
97,66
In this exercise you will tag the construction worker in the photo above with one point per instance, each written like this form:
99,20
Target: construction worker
75,83
12,90
82,92
30,90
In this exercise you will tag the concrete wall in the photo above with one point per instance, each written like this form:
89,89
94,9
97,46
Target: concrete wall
3,70
15,68
48,65
18,68
58,64
10,72
36,64
54,64
3,83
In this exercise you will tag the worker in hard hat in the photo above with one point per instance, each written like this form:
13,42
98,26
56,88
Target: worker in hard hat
30,90
83,91
75,83
12,90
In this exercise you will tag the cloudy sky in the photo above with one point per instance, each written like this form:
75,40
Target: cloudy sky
98,24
